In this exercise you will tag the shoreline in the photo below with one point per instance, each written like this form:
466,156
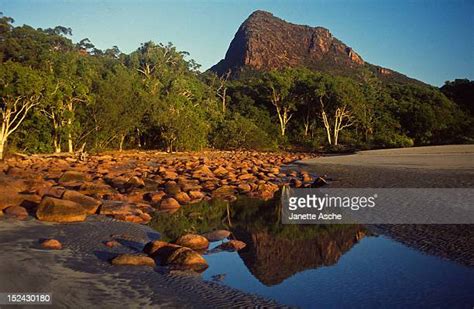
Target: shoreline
80,274
370,169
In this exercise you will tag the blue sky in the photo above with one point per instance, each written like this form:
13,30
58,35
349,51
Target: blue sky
430,40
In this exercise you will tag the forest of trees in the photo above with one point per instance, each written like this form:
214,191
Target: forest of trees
57,96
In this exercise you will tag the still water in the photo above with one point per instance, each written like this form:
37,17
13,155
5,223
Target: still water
323,266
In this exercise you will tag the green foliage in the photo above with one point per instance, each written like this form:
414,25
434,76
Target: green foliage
155,97
238,132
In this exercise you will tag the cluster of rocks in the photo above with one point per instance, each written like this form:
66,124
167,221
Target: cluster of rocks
133,186
184,253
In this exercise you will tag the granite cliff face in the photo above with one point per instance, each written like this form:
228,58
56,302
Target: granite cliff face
264,42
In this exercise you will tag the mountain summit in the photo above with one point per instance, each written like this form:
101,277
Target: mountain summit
264,42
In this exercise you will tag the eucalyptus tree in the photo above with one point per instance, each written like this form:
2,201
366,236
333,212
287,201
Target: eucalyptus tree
21,90
277,87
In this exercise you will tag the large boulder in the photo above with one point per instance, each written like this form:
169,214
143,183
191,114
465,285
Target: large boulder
89,204
56,210
185,257
193,241
133,259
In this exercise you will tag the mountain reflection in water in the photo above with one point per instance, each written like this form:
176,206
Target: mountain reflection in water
274,251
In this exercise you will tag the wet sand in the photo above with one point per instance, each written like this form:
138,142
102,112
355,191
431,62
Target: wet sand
80,276
421,167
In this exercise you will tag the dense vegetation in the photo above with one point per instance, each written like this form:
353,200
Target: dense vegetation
57,95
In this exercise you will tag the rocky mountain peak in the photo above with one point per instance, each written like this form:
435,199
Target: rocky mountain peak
265,42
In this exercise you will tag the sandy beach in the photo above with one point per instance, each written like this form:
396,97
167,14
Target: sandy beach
80,276
450,166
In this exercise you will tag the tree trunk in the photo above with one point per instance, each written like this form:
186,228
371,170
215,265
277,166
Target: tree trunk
122,139
69,143
327,126
224,100
69,123
2,147
56,144
56,135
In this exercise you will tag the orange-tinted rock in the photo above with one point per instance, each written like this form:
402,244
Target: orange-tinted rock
72,176
16,211
154,197
182,198
89,204
186,257
193,241
170,175
196,195
56,210
169,203
133,260
112,243
243,187
119,208
51,244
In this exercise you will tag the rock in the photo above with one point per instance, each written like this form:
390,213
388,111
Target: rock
233,245
119,208
169,203
220,171
246,177
307,178
182,198
172,188
160,249
155,197
244,188
112,243
133,259
17,212
135,182
193,241
204,170
10,191
196,195
319,182
89,204
216,235
186,257
170,175
56,192
51,244
223,192
72,176
56,210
